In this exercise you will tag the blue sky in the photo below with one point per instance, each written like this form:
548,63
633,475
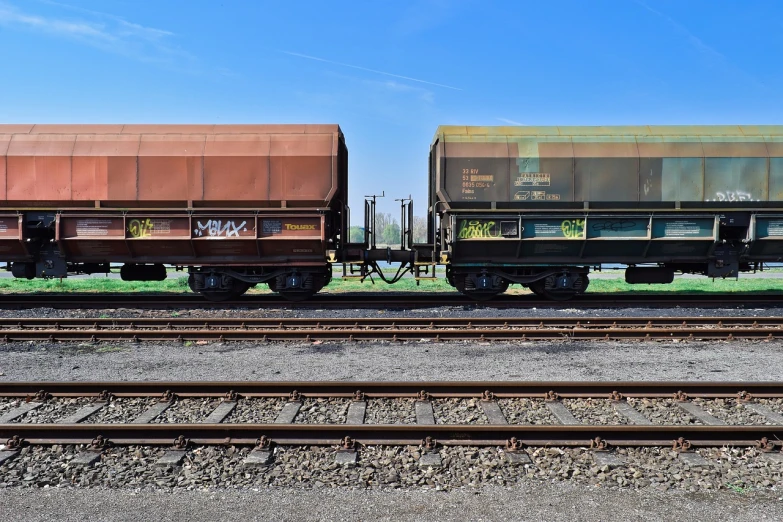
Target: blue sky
389,72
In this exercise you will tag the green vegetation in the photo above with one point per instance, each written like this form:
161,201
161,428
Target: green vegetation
690,285
356,234
180,285
108,349
738,489
391,234
404,285
694,285
92,285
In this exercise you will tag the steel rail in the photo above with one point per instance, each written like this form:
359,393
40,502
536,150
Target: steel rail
372,329
387,322
390,334
396,434
396,389
387,300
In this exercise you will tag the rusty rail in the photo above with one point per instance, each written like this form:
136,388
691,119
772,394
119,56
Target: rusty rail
385,300
399,329
396,389
395,434
388,322
99,436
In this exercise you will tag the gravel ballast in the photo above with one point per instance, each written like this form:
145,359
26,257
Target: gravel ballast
186,411
458,411
53,410
594,411
664,411
121,410
400,361
774,404
322,411
260,411
731,411
394,411
653,476
526,411
394,467
476,310
543,501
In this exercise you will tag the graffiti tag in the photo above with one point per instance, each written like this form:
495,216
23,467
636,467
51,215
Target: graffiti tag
477,229
648,183
217,228
573,228
615,225
140,227
731,196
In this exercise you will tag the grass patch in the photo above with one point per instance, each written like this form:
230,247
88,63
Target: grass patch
403,285
738,489
754,285
108,349
178,285
91,285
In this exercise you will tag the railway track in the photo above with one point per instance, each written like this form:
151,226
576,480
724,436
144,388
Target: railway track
701,402
381,300
398,329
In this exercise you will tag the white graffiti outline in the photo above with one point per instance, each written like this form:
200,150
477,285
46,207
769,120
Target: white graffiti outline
216,228
732,196
648,183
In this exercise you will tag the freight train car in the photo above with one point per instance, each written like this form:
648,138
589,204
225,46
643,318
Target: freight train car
540,206
236,205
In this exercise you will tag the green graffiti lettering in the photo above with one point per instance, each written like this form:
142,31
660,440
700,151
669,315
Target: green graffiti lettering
140,227
473,229
573,228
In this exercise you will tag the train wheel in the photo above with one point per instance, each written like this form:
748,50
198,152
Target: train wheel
540,290
466,287
547,288
299,287
234,290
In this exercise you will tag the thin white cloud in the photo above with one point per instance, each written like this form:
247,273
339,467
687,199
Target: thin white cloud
510,122
105,31
717,57
697,42
391,88
390,85
150,32
9,16
299,55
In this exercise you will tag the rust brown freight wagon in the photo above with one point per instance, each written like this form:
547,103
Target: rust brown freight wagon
237,205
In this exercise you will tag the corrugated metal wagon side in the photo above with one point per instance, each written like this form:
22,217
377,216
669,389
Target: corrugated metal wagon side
539,206
236,204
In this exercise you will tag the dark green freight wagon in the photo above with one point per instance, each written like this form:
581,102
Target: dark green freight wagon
540,206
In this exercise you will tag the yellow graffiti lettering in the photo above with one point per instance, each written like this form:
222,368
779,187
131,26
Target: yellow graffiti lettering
477,229
140,227
289,226
573,228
